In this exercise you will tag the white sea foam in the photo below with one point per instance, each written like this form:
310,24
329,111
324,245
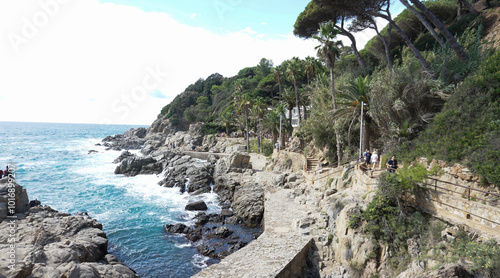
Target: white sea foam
200,261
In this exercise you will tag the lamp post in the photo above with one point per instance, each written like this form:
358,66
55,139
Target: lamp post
361,132
279,143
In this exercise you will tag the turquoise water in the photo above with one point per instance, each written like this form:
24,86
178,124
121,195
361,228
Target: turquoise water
52,162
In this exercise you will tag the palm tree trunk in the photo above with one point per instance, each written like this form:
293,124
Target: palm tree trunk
424,21
444,31
297,100
246,131
339,150
366,136
332,82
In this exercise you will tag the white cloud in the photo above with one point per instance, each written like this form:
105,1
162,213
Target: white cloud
93,62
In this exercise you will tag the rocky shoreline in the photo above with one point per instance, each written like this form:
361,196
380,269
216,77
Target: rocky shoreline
241,199
38,241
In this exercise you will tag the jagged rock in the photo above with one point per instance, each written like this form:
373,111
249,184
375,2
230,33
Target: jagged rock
233,220
120,142
451,270
123,155
248,203
54,244
220,232
11,191
34,203
176,228
206,250
132,166
196,205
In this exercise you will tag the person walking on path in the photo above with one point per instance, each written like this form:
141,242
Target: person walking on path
392,165
368,156
374,160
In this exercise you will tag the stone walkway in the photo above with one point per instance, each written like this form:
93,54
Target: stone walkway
279,252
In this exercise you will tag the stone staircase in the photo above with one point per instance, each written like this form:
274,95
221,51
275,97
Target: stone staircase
312,163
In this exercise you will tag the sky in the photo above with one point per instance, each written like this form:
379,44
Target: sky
121,61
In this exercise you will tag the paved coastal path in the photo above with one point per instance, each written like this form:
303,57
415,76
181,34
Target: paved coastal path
280,251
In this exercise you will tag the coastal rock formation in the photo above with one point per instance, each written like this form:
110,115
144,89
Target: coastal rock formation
248,203
135,165
133,139
187,173
14,196
42,242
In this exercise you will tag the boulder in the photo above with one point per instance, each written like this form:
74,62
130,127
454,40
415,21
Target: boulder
10,191
134,165
196,205
454,270
54,244
248,203
220,232
176,228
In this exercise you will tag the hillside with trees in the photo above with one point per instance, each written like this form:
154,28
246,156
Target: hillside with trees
421,81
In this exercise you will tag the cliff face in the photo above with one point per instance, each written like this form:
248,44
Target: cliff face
42,242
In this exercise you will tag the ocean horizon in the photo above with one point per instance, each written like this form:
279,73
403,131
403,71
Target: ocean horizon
53,163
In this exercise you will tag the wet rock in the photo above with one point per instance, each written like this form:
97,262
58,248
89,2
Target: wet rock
135,165
205,250
196,205
176,228
58,244
220,232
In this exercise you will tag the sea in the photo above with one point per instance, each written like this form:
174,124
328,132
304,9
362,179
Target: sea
52,161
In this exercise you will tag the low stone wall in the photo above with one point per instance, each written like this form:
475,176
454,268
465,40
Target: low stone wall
205,155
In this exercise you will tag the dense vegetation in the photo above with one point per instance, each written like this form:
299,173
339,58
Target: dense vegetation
420,90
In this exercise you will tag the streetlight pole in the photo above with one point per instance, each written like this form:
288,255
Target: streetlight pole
279,143
361,132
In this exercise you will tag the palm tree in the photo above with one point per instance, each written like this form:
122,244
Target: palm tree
329,50
311,66
288,98
294,73
271,123
279,75
350,101
259,107
227,119
245,102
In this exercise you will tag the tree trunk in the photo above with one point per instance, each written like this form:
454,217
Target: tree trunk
332,82
305,112
339,150
246,131
297,100
424,21
366,136
360,60
467,5
412,47
444,31
387,44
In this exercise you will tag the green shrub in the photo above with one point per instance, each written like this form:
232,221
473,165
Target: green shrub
267,148
467,129
212,128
